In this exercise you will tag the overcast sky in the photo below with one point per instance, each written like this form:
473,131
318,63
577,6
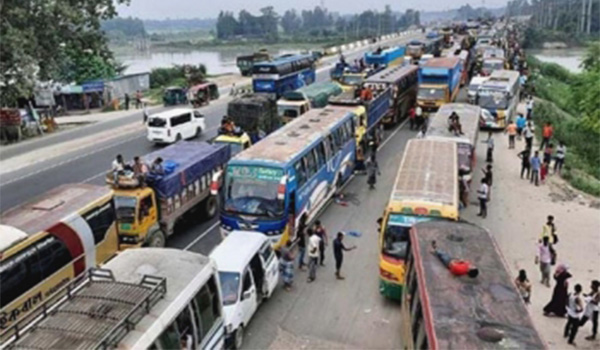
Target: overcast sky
158,9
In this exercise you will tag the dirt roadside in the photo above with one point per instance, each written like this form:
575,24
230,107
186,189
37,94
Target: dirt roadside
516,214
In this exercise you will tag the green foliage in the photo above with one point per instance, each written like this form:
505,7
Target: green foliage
178,75
38,35
591,60
127,27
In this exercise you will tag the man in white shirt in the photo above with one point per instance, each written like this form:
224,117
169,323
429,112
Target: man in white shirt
313,255
482,194
118,167
529,107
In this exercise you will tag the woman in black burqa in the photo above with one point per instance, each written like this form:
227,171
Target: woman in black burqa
558,303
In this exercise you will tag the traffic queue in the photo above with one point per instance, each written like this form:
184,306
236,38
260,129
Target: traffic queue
268,174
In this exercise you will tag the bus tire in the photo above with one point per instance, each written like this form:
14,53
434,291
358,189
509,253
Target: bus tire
210,207
238,337
156,239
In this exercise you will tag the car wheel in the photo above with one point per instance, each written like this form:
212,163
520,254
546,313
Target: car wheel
198,132
157,240
238,337
178,138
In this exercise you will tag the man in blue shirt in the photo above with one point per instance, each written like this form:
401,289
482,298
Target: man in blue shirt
536,164
521,121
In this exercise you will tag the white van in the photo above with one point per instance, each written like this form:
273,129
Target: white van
474,85
248,274
174,125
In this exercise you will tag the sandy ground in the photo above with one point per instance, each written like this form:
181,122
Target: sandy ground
516,214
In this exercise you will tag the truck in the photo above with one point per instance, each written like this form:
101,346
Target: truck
147,210
245,62
369,113
296,103
439,82
415,49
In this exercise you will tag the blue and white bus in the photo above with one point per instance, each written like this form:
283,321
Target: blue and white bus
288,177
285,73
387,57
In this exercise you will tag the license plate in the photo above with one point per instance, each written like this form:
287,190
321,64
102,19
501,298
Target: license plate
157,132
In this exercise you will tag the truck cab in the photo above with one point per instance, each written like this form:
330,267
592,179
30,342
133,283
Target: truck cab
432,96
236,143
289,110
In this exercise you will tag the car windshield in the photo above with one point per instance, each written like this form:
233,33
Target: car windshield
492,65
230,285
431,94
157,122
125,208
352,80
287,111
395,240
252,190
234,147
492,100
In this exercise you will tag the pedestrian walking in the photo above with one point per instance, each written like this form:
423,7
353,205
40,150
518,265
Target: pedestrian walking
372,172
543,172
313,255
482,195
524,286
138,99
591,309
412,115
420,119
574,313
536,166
286,265
521,123
511,130
525,164
529,106
549,230
528,133
301,246
489,178
422,132
463,187
547,133
145,114
126,101
548,153
324,241
544,258
490,148
559,159
558,303
338,253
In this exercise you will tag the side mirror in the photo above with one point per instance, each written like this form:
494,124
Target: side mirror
247,294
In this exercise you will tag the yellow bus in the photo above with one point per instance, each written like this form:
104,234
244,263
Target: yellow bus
443,311
51,240
426,188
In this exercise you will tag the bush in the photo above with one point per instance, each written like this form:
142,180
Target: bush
188,73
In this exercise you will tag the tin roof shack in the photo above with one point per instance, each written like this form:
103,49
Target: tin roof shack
462,312
129,83
254,113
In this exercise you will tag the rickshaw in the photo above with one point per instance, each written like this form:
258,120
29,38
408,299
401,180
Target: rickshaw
175,95
202,93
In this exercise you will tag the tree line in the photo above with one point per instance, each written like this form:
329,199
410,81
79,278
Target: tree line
570,16
318,22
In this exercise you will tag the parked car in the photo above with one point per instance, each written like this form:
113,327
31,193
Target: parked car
248,273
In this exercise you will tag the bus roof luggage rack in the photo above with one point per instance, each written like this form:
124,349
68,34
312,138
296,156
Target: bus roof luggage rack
97,313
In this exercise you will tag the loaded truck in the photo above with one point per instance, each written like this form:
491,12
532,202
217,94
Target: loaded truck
246,62
147,210
296,103
439,82
371,112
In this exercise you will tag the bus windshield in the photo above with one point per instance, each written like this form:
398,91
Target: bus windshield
493,100
234,147
352,80
431,94
230,285
395,240
252,190
125,207
287,111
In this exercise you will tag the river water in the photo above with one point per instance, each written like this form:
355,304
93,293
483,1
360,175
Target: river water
568,58
217,61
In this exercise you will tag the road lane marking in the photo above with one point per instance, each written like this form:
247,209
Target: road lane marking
202,235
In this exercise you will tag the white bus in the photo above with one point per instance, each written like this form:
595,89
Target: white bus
146,298
499,95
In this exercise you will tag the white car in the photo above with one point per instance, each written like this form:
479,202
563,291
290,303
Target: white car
248,274
174,125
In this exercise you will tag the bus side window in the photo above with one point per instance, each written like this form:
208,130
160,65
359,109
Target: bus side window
185,327
417,320
350,128
332,144
207,308
300,173
169,339
311,164
322,154
100,219
320,157
18,274
54,255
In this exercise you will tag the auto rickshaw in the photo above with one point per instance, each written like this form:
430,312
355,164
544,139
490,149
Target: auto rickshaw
203,93
174,95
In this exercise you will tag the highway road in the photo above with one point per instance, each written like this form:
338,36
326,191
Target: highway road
89,166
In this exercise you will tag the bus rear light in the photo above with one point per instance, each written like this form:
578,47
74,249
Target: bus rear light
281,188
421,211
387,275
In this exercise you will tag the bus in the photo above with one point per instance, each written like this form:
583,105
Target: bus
500,96
51,240
285,73
146,298
470,120
426,188
296,103
404,83
386,57
288,177
443,311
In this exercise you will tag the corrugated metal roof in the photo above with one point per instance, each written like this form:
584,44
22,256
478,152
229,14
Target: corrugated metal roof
469,119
